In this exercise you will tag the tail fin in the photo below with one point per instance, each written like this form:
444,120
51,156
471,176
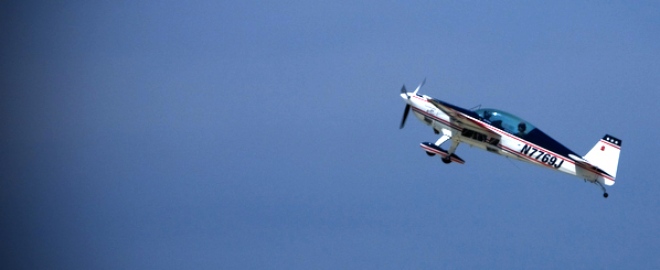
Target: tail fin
605,154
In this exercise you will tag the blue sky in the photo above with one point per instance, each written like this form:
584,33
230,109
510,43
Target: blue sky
264,135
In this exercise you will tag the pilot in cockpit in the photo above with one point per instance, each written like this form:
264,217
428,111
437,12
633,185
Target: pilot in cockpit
521,129
486,117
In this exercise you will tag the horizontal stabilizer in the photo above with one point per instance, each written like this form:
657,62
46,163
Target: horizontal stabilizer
578,159
585,164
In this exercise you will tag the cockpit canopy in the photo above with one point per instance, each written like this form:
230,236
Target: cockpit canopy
522,129
506,121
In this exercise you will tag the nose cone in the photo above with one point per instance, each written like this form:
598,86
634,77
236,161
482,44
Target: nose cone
404,96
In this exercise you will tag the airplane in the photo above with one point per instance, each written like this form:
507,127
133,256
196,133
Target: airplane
505,134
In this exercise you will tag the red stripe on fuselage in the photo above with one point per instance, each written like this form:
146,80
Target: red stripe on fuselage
526,157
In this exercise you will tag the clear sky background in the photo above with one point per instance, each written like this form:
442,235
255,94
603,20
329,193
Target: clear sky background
264,134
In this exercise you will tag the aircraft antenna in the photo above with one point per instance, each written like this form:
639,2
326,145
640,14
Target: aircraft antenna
514,164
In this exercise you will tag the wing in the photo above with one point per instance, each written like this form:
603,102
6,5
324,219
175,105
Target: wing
463,118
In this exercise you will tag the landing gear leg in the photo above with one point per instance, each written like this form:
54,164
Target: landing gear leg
605,195
442,140
446,135
452,148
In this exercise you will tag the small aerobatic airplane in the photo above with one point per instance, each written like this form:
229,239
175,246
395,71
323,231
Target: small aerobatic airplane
505,134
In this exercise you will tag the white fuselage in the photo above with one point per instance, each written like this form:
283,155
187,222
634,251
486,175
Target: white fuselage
508,144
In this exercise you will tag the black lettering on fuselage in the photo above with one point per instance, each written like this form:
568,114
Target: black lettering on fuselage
541,156
526,149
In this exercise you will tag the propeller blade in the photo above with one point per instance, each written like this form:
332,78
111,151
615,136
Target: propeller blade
403,90
405,115
420,86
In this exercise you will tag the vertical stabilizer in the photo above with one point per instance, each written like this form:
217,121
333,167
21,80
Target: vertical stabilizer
605,154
